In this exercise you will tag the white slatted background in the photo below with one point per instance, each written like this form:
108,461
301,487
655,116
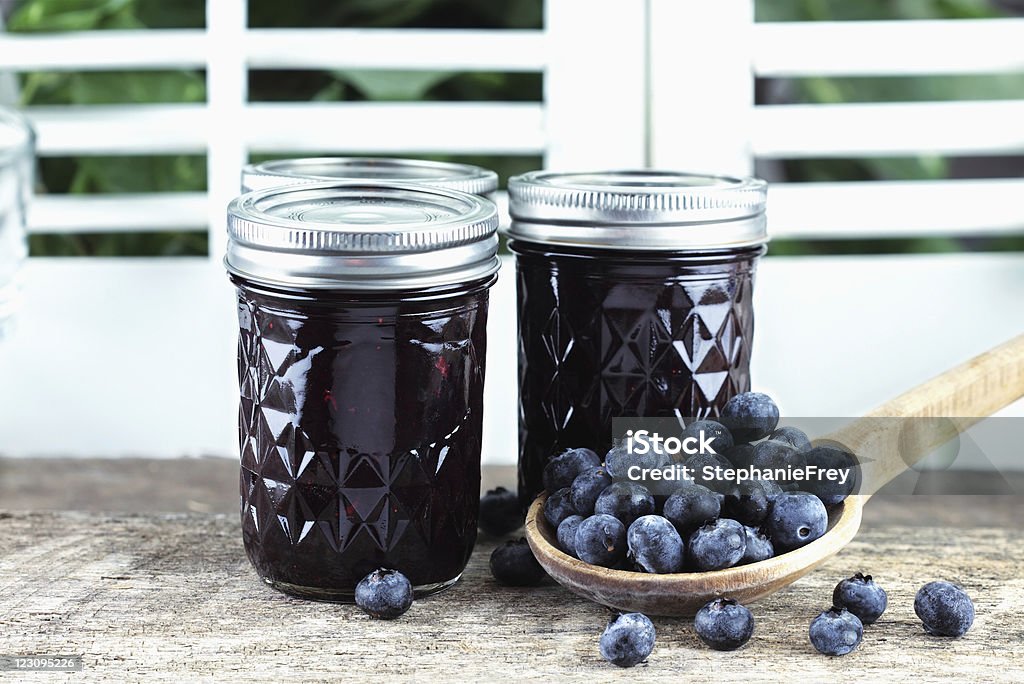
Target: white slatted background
665,83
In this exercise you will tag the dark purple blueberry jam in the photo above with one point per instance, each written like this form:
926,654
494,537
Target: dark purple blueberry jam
359,428
605,334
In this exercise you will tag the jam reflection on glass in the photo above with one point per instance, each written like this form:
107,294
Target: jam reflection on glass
604,334
359,430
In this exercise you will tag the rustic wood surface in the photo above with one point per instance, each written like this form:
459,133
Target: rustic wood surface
173,596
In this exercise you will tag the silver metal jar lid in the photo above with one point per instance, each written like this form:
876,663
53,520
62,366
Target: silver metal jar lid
463,177
365,236
638,210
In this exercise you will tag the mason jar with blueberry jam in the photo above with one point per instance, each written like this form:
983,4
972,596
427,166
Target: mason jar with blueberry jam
475,180
634,292
362,310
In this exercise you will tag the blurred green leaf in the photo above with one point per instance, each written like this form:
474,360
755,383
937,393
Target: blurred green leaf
393,85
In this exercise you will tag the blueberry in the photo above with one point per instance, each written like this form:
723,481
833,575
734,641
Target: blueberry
771,455
701,468
601,540
567,534
723,624
862,597
746,502
717,545
618,460
691,506
836,632
832,492
793,437
585,489
654,545
563,469
771,489
944,608
627,640
750,416
557,507
796,519
514,565
741,455
714,432
500,512
627,501
759,546
384,594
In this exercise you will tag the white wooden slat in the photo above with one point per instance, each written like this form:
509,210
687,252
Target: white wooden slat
889,129
119,212
104,50
402,49
227,86
120,129
381,127
435,49
165,385
702,88
595,88
397,127
888,48
881,209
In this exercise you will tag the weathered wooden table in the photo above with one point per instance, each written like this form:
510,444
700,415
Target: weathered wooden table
173,595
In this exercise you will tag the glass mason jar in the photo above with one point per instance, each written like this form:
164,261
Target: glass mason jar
475,180
17,174
362,314
634,292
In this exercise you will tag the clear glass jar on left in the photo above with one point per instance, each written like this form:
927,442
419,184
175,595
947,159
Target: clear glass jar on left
362,313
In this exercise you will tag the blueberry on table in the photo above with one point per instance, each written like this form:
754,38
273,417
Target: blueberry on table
563,468
714,432
557,507
692,506
627,640
746,502
567,534
750,416
862,597
654,545
944,608
759,546
500,512
792,436
514,565
585,489
724,624
717,545
627,501
796,519
836,632
601,540
826,458
384,594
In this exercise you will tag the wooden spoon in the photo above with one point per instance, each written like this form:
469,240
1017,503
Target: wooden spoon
966,394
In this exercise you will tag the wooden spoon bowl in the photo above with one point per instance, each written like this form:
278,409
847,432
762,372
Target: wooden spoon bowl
684,593
973,390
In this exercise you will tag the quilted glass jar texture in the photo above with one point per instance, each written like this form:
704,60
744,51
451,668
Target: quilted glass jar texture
634,300
362,317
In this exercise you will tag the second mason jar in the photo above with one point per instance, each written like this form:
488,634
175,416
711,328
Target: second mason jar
362,313
634,292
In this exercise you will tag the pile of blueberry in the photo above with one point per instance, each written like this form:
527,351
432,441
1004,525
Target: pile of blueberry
604,519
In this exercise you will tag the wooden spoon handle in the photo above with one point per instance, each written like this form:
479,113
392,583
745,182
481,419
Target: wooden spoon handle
956,399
